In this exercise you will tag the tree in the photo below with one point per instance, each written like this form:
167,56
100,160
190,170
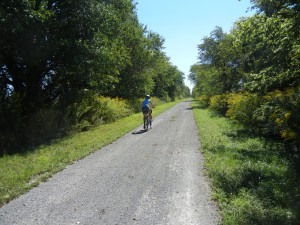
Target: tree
269,52
207,80
256,63
270,7
136,78
56,55
219,58
52,49
52,52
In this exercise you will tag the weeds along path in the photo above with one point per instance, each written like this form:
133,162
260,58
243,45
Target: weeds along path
154,177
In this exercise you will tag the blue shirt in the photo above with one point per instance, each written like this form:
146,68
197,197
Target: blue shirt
146,102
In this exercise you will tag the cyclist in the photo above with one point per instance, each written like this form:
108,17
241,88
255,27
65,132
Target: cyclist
147,107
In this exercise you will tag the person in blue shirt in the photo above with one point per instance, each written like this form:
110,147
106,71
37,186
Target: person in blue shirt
147,106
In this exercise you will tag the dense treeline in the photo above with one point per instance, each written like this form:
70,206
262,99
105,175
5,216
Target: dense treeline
252,74
58,57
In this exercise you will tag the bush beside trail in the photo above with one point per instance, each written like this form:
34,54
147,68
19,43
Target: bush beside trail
275,114
51,123
255,179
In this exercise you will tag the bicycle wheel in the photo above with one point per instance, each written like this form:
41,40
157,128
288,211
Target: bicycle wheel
147,122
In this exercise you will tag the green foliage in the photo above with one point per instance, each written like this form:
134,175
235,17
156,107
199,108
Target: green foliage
10,123
248,209
241,107
50,51
270,7
136,104
252,73
53,52
135,79
206,80
219,103
203,101
252,182
112,109
275,113
95,110
218,72
279,114
267,50
169,83
44,125
208,50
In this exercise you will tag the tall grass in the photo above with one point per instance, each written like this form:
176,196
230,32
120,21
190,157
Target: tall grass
254,182
21,172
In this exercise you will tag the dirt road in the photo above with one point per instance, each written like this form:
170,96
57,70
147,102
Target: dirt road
143,178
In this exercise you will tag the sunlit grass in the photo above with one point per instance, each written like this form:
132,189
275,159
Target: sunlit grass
20,172
252,182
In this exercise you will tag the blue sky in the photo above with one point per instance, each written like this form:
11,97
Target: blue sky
184,23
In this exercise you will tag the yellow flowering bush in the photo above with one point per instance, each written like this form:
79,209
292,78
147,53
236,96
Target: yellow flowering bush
112,108
203,100
219,103
241,107
97,110
277,113
280,114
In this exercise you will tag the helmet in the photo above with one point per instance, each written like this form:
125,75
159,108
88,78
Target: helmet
147,96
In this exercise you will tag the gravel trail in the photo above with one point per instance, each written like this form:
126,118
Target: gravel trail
154,177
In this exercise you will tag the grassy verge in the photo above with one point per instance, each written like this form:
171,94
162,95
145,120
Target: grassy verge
254,181
21,172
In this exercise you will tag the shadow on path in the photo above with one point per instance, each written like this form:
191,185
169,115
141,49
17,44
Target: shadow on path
139,132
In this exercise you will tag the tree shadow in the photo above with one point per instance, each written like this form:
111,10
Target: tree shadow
194,107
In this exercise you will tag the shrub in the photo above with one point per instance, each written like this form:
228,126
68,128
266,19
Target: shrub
279,114
219,103
136,104
112,109
44,125
95,110
203,101
241,107
156,101
10,124
166,98
18,132
275,114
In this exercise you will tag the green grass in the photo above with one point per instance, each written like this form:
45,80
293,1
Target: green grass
253,181
21,172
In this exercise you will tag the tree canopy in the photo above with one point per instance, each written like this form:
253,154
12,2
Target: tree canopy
55,53
252,73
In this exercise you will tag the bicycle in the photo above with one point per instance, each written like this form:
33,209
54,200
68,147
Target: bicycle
147,121
147,118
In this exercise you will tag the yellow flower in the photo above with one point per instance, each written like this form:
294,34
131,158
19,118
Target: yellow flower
287,115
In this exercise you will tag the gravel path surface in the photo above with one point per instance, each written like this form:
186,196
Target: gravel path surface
153,177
